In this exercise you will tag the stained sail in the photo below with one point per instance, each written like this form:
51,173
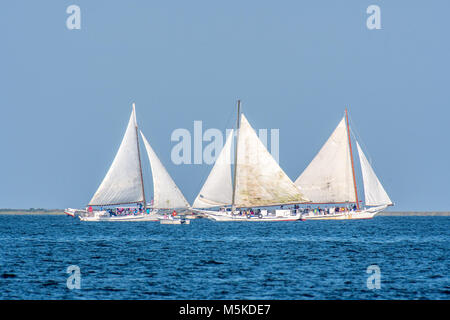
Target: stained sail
217,190
122,183
328,178
374,192
166,193
259,179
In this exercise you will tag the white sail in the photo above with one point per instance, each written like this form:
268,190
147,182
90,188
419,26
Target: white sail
217,190
122,183
166,194
374,192
328,178
259,179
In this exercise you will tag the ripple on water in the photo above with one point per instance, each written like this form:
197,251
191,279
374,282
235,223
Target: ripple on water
207,260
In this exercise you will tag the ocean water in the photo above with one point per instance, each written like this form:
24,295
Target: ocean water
210,260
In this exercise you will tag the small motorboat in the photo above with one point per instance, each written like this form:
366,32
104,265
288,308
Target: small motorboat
173,220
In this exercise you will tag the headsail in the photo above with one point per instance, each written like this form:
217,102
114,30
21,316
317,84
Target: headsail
374,192
259,179
166,193
328,178
217,190
122,183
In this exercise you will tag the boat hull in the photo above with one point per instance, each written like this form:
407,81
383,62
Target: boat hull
140,217
74,212
253,219
226,217
174,221
69,213
350,215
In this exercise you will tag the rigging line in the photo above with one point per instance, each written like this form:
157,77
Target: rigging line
367,155
358,137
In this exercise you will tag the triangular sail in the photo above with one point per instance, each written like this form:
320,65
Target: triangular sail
217,190
122,183
166,193
374,192
328,178
259,179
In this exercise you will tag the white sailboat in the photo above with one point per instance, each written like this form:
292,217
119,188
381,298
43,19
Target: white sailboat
124,185
330,179
166,194
258,182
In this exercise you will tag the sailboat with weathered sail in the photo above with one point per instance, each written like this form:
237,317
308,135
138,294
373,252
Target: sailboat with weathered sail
123,185
330,180
258,182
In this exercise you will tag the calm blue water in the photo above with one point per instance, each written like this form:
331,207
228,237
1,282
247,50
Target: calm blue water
208,260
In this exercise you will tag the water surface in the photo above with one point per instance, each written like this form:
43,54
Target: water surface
229,260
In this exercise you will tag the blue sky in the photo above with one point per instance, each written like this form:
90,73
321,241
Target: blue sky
66,94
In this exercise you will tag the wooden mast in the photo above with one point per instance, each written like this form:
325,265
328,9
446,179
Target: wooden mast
139,157
238,125
351,157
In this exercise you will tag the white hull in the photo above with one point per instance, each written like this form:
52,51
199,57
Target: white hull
139,217
69,213
74,212
281,215
174,221
367,213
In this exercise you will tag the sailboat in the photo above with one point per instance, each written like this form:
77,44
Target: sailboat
330,180
123,185
258,182
166,194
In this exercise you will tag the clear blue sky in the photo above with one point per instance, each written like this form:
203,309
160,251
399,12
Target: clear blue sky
66,94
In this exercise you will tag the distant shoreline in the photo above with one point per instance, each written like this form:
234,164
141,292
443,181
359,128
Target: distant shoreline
414,214
18,212
59,212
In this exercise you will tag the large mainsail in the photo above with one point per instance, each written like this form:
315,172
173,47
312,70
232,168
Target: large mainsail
165,191
259,179
122,183
217,190
328,178
374,192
